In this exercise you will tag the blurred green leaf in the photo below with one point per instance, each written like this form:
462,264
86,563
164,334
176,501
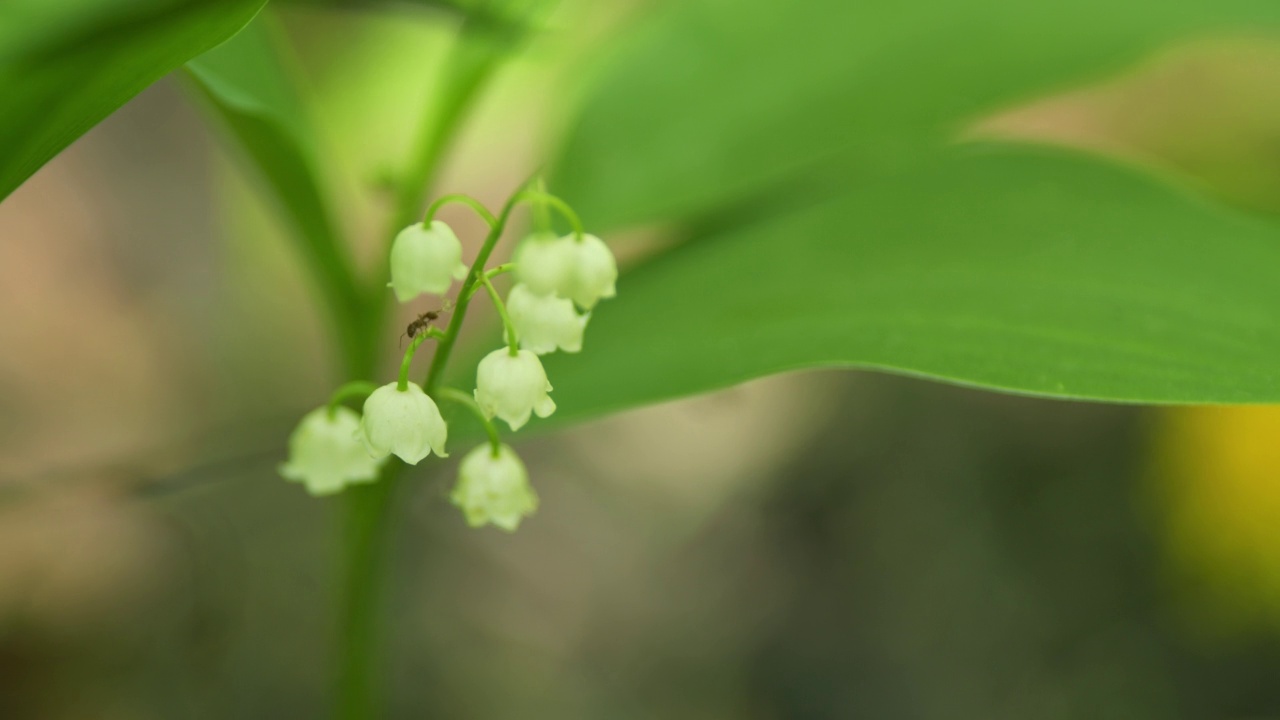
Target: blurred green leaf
248,87
461,6
1023,269
67,64
808,151
710,102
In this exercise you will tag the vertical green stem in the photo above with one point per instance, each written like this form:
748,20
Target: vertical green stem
365,554
445,347
365,536
541,212
368,507
474,57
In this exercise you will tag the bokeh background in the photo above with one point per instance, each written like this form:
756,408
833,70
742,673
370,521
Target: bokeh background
816,545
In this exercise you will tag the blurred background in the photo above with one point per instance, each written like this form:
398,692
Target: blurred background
817,545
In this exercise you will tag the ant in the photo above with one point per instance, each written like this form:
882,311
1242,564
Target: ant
423,321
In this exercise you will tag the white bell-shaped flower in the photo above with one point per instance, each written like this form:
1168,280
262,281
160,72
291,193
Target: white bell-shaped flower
494,488
513,387
425,260
595,273
405,423
545,322
326,455
544,263
582,270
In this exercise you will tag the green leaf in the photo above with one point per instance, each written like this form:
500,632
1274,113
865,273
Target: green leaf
1021,269
64,66
831,222
457,6
248,87
712,102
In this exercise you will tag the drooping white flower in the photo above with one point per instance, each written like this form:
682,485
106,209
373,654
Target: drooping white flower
326,455
494,488
405,423
545,322
595,272
513,387
544,264
582,270
425,260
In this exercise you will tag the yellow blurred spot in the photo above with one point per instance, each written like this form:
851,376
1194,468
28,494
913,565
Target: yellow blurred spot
1219,471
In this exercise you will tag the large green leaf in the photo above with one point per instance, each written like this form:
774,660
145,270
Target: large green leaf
713,101
1021,269
829,220
67,64
247,85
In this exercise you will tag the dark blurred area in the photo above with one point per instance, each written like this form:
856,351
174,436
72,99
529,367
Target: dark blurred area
900,549
819,545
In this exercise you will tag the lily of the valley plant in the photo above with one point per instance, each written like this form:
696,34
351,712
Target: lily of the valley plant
559,279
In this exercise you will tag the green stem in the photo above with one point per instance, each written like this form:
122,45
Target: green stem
403,383
513,342
460,198
353,389
364,556
473,60
541,213
536,197
462,398
474,57
445,347
495,272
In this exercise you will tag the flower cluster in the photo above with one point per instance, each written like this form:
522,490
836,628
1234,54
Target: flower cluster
558,281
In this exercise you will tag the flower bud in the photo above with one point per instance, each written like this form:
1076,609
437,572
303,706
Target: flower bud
425,260
512,387
582,270
326,455
405,423
545,322
494,488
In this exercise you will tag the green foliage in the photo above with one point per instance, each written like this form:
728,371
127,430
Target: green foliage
248,87
1033,271
807,152
829,219
64,66
712,101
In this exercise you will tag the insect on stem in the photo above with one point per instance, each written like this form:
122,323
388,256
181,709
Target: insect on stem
423,322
